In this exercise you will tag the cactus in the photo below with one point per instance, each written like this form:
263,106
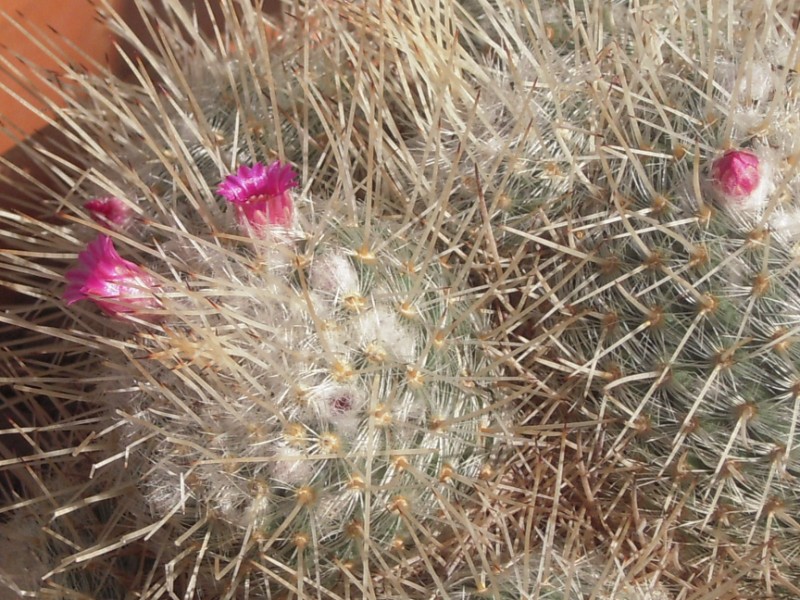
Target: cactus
682,335
516,132
663,257
313,394
669,284
279,390
391,300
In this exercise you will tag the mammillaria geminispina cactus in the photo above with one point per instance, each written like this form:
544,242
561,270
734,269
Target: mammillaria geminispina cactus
274,388
429,299
334,380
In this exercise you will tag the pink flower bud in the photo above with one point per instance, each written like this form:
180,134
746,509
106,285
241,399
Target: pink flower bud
117,286
261,195
111,212
339,405
740,180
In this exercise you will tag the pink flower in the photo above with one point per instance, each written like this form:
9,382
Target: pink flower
740,180
117,286
111,212
261,194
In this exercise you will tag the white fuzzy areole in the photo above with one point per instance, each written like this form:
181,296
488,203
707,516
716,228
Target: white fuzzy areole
382,326
291,467
754,85
786,223
333,273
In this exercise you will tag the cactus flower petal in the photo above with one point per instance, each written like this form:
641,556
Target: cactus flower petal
115,285
109,211
261,194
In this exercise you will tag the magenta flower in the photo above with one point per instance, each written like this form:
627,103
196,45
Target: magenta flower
111,212
261,194
117,286
736,173
740,180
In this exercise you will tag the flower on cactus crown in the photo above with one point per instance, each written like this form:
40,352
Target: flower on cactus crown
110,211
261,194
740,180
117,286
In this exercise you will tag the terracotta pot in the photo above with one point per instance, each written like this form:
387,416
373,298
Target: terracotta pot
83,39
74,21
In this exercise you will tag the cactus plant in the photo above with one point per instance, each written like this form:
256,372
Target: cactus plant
283,391
682,336
669,277
386,299
316,393
662,261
